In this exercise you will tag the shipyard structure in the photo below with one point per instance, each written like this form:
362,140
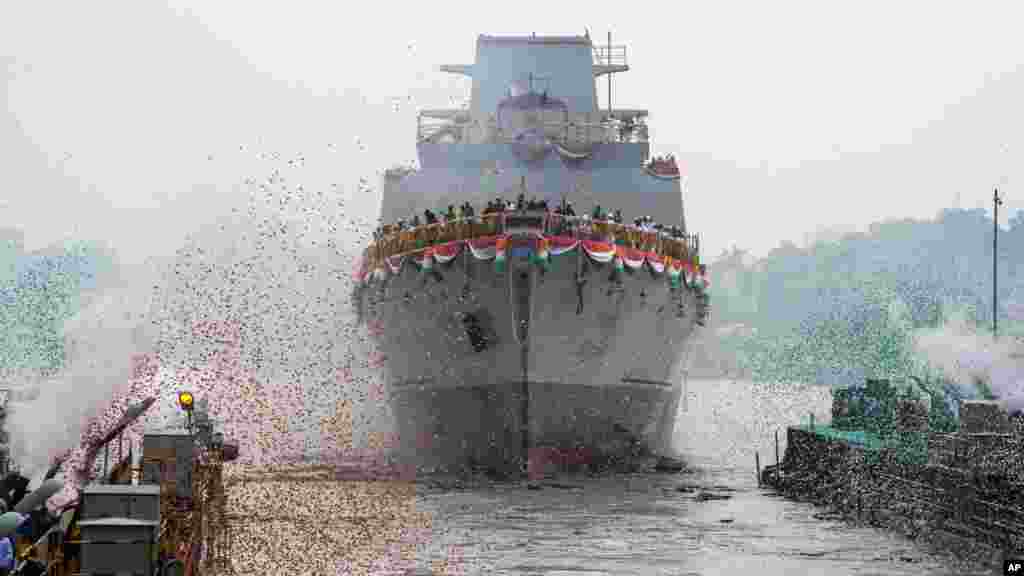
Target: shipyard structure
154,510
891,457
535,282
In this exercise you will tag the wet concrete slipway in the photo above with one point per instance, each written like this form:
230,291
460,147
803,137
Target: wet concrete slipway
711,518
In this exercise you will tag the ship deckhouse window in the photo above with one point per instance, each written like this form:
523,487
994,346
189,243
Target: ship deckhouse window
516,89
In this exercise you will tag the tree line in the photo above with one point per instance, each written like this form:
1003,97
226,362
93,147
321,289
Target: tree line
837,312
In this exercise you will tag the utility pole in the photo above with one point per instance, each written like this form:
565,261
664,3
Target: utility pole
996,202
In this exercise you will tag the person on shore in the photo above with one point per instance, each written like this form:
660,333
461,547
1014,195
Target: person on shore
6,555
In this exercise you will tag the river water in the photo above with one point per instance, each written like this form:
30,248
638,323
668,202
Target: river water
709,519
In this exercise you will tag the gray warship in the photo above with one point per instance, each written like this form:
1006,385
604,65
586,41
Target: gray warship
530,329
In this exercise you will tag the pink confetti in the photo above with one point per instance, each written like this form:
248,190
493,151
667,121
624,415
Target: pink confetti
377,360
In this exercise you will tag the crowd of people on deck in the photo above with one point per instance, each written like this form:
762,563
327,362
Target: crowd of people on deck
499,206
466,212
664,164
643,223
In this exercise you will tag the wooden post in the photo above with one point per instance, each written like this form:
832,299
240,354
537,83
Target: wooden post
686,391
778,469
812,421
136,472
757,464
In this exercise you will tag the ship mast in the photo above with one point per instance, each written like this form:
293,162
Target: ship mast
608,58
684,191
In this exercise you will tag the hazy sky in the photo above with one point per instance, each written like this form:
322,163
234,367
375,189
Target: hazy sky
790,117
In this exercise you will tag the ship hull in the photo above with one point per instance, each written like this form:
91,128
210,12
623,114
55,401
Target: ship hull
600,382
572,426
531,368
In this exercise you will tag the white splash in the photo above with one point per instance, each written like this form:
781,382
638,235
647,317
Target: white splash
100,341
968,356
272,262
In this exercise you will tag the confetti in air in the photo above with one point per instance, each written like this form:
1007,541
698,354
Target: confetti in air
251,315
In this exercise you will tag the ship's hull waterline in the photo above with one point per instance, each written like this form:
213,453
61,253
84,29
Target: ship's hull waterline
602,381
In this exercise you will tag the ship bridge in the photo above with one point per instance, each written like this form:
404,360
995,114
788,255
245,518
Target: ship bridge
534,113
571,62
564,67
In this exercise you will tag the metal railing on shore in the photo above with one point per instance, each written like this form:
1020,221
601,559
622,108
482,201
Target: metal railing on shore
394,241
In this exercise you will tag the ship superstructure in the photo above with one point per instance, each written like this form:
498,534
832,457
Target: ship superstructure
545,323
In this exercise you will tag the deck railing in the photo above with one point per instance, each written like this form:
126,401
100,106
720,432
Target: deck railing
562,132
394,242
614,55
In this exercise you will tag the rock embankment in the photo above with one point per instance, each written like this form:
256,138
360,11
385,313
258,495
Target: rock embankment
945,506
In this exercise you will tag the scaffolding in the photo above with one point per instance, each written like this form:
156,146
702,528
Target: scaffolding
192,528
192,533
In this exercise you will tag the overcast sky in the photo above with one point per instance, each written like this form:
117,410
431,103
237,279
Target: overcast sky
121,118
